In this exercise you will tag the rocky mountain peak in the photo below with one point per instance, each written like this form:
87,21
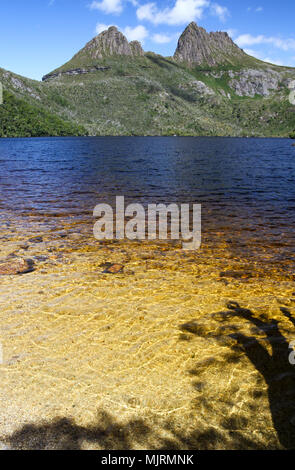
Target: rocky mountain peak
112,42
193,27
197,47
136,48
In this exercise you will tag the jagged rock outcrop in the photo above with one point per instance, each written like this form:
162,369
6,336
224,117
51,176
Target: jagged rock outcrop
197,87
136,48
112,42
78,71
19,85
250,82
197,47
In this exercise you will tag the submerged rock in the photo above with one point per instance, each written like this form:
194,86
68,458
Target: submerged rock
113,268
18,266
36,240
236,274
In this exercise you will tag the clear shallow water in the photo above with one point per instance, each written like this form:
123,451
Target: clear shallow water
167,337
246,186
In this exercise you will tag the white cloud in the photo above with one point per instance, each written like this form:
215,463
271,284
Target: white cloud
231,32
100,27
221,12
272,61
182,12
138,33
248,40
284,44
261,56
253,53
161,38
257,9
107,6
145,12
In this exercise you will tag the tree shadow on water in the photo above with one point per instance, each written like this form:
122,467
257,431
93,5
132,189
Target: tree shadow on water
65,434
278,372
109,433
274,366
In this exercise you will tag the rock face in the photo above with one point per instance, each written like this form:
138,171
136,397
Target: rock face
250,82
198,87
136,48
197,47
78,71
112,42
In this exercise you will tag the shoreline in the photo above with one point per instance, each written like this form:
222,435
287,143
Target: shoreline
152,136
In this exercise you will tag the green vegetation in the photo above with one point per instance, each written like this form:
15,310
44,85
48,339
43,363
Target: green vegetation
145,95
292,135
20,119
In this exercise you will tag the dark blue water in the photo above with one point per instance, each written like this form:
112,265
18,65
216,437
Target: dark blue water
244,185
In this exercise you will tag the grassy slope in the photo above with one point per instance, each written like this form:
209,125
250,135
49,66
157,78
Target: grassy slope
153,95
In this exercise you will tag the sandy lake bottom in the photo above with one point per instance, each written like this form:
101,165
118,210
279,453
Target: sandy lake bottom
181,350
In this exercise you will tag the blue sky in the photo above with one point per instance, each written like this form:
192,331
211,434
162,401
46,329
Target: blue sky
39,35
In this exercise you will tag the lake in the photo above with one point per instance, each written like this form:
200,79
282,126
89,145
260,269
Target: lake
141,344
246,186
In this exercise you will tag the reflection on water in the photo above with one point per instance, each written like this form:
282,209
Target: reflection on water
182,350
246,186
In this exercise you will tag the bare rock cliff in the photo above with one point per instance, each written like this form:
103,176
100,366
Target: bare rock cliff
112,42
197,47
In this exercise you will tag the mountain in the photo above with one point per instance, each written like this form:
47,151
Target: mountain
109,43
209,87
196,47
112,42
